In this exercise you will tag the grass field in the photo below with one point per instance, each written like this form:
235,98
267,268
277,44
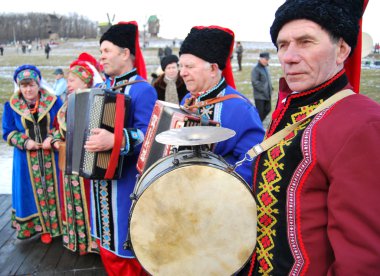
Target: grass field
63,54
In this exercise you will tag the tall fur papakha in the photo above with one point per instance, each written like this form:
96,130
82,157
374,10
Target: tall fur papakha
339,17
122,35
209,43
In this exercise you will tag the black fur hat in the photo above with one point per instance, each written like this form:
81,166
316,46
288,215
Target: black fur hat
168,60
123,35
339,17
212,44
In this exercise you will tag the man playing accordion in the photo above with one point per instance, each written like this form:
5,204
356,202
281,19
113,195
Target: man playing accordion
123,65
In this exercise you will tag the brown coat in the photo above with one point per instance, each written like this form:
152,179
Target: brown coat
160,87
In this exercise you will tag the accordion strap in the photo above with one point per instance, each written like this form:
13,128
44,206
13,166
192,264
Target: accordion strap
188,104
125,83
118,136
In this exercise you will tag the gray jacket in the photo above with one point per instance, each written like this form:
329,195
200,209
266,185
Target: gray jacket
261,83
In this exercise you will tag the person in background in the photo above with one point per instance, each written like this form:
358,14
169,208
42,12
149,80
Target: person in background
262,85
27,120
239,54
206,69
167,51
318,189
124,66
60,84
160,53
75,190
170,86
1,50
47,50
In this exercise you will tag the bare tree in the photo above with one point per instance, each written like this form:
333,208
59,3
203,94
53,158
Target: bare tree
31,26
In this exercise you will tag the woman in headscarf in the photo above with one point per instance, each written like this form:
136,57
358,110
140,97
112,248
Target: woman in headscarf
27,119
75,189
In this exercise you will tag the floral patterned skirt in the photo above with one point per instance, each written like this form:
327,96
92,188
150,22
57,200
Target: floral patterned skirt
76,216
43,194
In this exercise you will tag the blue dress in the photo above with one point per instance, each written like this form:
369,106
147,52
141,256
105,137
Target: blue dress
35,198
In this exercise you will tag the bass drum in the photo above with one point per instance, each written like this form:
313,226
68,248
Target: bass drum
191,216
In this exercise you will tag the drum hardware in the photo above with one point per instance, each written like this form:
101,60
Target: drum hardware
247,157
194,136
175,160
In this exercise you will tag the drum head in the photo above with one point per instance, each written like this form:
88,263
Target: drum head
194,220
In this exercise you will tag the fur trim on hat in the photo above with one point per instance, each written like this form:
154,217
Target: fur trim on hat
338,17
122,34
212,44
126,35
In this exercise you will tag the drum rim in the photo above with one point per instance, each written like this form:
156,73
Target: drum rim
236,175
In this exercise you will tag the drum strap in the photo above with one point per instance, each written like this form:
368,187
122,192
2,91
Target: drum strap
278,136
209,101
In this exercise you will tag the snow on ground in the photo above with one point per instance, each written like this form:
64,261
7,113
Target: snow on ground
6,158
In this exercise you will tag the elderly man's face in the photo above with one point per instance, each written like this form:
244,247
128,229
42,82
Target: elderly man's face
113,58
307,54
197,74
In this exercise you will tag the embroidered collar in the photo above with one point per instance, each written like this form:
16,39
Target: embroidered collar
213,92
122,79
20,106
322,91
309,97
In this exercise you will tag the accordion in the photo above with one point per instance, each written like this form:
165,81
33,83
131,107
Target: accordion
165,116
89,109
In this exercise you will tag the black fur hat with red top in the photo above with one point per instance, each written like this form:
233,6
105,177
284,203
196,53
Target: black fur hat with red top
340,18
213,44
126,35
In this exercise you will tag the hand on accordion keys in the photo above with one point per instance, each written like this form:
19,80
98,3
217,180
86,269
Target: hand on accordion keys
99,140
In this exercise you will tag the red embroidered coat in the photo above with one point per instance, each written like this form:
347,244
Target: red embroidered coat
318,189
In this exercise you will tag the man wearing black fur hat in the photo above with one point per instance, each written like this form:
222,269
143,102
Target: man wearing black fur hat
169,85
123,63
318,188
206,69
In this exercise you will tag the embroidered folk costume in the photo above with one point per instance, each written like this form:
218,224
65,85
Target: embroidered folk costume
75,190
35,200
317,189
110,198
215,44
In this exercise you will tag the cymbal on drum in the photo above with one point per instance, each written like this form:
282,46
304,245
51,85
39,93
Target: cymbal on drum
193,136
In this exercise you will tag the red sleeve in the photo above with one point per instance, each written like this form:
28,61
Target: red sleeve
354,203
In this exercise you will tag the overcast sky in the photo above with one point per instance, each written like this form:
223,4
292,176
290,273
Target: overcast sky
250,22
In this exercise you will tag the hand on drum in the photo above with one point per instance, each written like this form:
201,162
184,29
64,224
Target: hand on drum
99,140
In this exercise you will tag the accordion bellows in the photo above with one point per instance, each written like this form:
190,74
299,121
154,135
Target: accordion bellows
89,109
